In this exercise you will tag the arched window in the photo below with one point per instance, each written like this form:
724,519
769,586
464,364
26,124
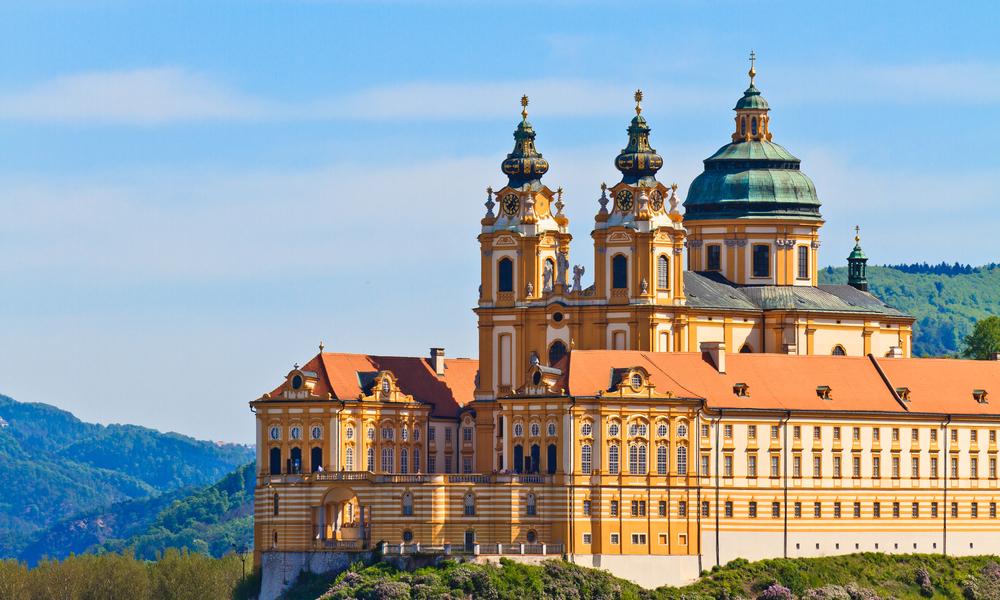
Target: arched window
613,459
505,275
532,536
550,429
404,461
386,385
663,272
349,459
536,457
371,459
642,460
619,272
753,126
296,460
838,350
275,460
550,458
387,460
661,460
586,459
416,460
556,352
276,505
518,458
470,504
531,505
518,430
743,126
536,430
407,504
682,460
316,459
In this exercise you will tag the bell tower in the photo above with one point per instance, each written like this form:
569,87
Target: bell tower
524,244
857,264
639,238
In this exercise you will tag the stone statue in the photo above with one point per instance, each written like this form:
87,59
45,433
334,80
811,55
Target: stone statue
644,286
531,289
562,264
578,272
547,276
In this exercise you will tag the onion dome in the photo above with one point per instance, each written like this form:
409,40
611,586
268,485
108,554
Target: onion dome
524,165
638,162
752,176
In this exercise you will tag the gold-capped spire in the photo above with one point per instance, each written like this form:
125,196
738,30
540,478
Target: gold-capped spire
638,102
857,234
524,106
752,72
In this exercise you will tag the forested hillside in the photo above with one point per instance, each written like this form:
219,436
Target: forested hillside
946,300
54,466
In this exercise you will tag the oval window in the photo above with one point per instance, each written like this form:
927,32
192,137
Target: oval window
297,382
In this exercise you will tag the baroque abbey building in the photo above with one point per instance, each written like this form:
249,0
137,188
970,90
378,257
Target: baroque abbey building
704,399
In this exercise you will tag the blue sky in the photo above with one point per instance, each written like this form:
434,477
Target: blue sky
193,195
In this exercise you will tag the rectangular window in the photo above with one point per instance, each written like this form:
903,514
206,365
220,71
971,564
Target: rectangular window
586,538
895,467
915,467
729,509
974,435
817,510
752,432
466,434
954,435
635,508
431,433
727,432
895,434
817,433
774,432
993,436
895,510
586,507
753,510
797,510
934,510
713,253
662,508
857,510
933,435
431,463
993,510
877,510
797,432
761,260
914,435
642,508
705,462
447,435
803,262
993,468
775,510
727,465
836,510
836,433
836,467
876,467
876,434
704,431
954,468
915,510
974,468
934,467
954,510
704,509
638,538
682,509
614,508
448,463
796,466
614,539
856,467
466,464
856,434
817,467
974,510
775,465
752,465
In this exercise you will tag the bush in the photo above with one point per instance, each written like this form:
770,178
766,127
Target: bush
776,591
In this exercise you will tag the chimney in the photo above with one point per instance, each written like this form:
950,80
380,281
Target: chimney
895,352
437,361
715,354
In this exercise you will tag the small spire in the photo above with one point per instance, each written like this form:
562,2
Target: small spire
524,106
321,346
752,72
638,102
857,234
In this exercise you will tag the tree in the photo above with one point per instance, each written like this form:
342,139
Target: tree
984,340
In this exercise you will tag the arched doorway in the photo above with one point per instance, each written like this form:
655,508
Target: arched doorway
536,457
342,520
518,458
550,462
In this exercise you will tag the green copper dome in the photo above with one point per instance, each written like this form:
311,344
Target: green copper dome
752,100
638,161
524,165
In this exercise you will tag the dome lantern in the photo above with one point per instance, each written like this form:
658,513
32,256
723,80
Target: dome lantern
638,161
524,165
857,264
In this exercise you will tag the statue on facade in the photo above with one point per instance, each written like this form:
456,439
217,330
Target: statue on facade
531,289
578,272
562,264
644,286
547,276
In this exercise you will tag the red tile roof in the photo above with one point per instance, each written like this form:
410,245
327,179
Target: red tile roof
943,385
340,375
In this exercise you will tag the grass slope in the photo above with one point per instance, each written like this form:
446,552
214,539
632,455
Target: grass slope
946,301
866,576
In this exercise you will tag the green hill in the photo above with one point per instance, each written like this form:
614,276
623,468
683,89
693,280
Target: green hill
946,300
54,466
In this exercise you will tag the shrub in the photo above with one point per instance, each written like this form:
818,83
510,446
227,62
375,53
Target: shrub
776,591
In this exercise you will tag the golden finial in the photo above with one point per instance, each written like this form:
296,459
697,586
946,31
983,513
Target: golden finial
524,106
752,72
321,346
857,234
638,101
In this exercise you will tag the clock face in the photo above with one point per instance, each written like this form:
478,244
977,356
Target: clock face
624,200
275,433
657,200
511,204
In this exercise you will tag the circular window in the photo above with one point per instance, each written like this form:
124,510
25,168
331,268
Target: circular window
536,430
317,433
297,382
613,430
682,431
557,317
296,433
661,431
552,428
407,536
586,430
636,380
275,433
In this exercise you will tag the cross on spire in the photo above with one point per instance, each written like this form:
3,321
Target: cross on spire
752,72
524,106
857,234
638,102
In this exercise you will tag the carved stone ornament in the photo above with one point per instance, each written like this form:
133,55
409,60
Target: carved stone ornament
815,244
695,243
530,291
603,200
644,286
490,203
